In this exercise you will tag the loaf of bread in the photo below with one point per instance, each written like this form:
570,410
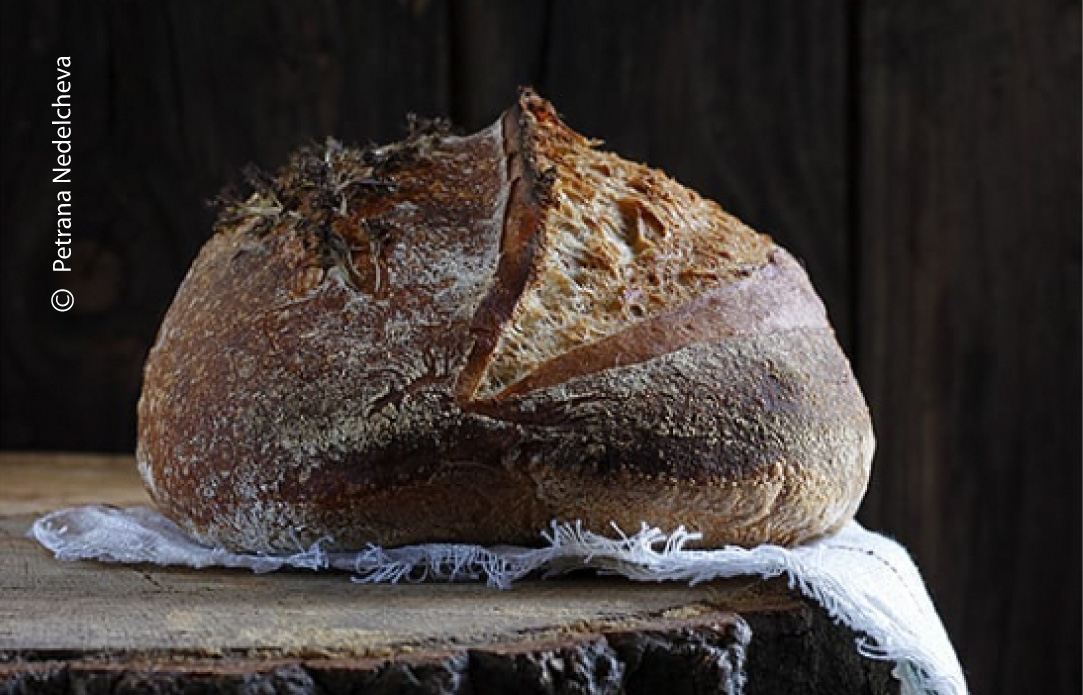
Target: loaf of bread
463,338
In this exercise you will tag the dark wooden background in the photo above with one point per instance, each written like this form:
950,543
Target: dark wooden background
922,158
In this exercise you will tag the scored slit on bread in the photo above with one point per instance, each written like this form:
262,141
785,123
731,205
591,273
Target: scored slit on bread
463,338
616,243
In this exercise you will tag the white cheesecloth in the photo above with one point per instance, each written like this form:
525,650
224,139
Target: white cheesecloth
862,579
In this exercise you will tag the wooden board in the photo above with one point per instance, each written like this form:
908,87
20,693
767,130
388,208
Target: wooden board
69,625
922,158
969,342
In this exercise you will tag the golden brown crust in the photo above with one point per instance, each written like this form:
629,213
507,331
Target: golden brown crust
620,244
777,297
349,357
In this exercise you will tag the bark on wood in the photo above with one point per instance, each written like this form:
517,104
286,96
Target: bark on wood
96,628
921,157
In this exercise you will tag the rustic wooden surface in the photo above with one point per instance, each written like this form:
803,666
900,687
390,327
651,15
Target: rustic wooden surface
88,625
969,301
921,158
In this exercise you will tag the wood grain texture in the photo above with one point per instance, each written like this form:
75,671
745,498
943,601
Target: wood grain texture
134,628
969,342
922,158
744,102
39,483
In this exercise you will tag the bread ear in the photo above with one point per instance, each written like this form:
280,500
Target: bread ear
463,338
593,245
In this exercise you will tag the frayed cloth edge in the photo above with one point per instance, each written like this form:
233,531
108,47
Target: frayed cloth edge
861,579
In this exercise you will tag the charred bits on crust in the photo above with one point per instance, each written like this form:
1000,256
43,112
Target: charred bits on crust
462,338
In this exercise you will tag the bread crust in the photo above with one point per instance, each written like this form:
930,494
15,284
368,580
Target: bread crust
319,374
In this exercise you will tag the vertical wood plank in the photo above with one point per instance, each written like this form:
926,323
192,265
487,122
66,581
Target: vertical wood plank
745,102
969,320
496,47
171,100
